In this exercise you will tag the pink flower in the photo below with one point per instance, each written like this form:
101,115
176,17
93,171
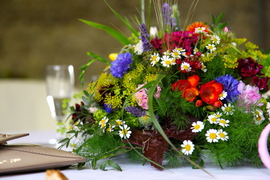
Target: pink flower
158,92
142,97
249,95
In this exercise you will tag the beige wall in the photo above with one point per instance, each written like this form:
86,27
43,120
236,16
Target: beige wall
35,33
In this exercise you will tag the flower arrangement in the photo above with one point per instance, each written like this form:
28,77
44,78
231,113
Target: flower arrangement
173,93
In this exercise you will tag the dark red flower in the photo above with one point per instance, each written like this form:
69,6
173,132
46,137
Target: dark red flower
261,82
248,67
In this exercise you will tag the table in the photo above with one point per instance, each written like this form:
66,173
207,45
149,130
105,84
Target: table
138,171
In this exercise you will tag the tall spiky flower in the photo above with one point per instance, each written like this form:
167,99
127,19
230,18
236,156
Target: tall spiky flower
145,38
167,16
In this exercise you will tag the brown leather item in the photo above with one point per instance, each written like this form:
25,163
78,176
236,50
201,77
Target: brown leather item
29,158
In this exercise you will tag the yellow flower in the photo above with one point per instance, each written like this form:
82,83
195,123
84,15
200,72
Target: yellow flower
113,56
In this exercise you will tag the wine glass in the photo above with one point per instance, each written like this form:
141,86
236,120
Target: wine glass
60,85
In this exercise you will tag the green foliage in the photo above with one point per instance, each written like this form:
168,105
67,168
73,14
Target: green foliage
117,35
242,144
217,25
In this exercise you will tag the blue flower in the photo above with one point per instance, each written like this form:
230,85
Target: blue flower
121,65
230,86
107,108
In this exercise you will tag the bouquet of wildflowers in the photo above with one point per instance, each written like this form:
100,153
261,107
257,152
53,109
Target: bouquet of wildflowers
173,93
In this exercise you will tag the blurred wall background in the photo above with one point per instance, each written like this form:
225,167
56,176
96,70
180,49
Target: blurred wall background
36,33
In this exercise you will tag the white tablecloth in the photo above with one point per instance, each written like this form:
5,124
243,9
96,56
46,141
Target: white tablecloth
137,171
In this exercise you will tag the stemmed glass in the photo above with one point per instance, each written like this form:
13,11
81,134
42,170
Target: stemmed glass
60,85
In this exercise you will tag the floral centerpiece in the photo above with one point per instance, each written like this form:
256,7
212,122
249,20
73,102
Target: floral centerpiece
173,92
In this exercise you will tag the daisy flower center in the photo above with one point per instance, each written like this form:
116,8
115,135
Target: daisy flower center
228,109
124,131
222,135
188,147
168,62
213,135
222,121
197,126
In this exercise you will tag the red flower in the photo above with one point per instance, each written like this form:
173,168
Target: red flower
187,87
210,91
199,103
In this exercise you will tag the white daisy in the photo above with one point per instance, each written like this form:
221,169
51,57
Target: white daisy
223,122
223,135
176,53
199,30
124,132
110,128
218,115
185,67
258,116
222,95
119,122
268,106
268,109
211,47
197,126
154,58
212,135
203,67
228,109
102,123
213,119
138,48
166,53
166,61
187,147
215,39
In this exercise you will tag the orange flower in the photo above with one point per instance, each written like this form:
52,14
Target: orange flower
210,91
190,94
183,84
195,25
187,87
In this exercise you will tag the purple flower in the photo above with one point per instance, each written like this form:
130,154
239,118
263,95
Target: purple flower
121,65
135,111
230,86
145,38
167,15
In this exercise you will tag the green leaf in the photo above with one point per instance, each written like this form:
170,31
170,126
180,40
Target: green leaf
84,67
123,20
94,163
151,110
86,93
221,25
114,33
85,100
220,17
80,165
103,166
98,57
114,165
